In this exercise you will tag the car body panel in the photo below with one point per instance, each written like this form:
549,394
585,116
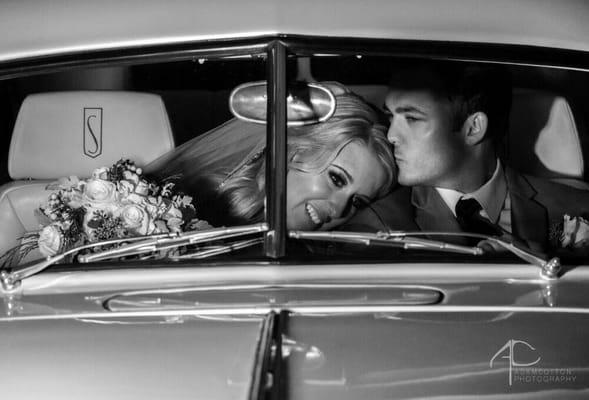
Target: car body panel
33,29
389,329
439,356
344,337
131,358
257,289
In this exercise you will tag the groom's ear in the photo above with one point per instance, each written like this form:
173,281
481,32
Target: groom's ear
475,128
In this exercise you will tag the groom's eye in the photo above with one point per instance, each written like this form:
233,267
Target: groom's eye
337,179
411,118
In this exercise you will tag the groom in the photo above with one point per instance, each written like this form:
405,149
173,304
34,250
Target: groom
446,124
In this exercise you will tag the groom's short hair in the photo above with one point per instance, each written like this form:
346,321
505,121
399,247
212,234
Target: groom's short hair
469,88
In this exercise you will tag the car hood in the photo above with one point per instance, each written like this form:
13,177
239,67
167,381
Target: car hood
402,355
130,358
429,355
350,332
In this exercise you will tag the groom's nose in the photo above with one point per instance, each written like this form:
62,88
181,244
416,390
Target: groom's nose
393,133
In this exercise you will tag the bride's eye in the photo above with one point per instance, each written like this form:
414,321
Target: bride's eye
337,179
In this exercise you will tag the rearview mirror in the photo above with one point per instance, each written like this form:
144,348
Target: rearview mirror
306,103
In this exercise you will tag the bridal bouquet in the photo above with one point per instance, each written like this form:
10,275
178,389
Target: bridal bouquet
114,203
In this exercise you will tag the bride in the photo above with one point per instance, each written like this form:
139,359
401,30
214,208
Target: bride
330,164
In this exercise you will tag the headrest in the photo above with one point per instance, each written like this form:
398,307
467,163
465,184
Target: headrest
72,133
543,136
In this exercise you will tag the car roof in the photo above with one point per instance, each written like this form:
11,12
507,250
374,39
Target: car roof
31,28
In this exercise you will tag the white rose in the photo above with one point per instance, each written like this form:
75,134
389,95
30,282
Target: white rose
50,240
135,198
151,206
100,173
175,224
142,188
151,210
136,219
131,176
99,191
160,227
173,212
125,188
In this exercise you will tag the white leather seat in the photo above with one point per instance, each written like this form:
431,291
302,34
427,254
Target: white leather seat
71,133
544,137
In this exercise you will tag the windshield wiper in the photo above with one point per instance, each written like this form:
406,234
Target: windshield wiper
151,245
139,245
401,241
549,268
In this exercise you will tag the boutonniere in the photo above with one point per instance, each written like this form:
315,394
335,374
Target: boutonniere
570,233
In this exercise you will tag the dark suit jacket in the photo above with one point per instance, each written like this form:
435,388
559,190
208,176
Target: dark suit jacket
537,205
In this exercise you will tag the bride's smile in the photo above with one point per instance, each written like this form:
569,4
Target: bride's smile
322,199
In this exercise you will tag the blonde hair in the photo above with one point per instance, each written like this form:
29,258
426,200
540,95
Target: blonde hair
311,148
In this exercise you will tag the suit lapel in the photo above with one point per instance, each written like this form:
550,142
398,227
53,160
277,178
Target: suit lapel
432,214
529,219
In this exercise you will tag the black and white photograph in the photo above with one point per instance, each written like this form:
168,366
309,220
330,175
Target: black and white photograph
294,200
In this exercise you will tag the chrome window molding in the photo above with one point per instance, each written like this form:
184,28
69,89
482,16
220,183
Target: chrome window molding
299,45
275,245
276,49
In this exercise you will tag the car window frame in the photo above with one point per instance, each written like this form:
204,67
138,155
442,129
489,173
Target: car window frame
277,49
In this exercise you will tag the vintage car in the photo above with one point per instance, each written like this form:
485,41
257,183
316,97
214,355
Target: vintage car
261,311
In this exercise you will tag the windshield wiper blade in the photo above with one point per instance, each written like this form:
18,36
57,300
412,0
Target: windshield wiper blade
401,241
549,267
151,245
220,249
10,280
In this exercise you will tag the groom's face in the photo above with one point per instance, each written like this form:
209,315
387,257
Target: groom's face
427,148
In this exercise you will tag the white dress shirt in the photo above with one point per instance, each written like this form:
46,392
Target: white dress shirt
492,196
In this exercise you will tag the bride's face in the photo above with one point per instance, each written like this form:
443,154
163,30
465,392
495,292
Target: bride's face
322,200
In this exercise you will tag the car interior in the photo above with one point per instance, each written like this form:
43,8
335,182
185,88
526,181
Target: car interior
151,108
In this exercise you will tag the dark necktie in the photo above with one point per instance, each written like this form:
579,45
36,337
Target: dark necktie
468,214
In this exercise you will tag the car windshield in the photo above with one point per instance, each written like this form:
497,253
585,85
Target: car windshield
151,160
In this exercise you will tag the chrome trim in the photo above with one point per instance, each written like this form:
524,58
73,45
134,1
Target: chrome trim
173,240
259,378
276,155
216,250
549,268
315,85
128,44
311,310
274,286
399,239
10,281
155,300
254,47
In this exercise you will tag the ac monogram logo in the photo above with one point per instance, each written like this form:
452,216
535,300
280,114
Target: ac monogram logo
509,350
92,132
